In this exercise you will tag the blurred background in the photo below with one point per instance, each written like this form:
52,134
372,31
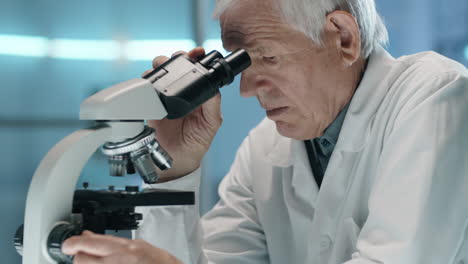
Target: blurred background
54,54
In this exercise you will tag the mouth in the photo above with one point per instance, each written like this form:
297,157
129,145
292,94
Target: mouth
275,112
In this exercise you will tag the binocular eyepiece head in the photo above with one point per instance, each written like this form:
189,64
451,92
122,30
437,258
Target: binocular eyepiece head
184,84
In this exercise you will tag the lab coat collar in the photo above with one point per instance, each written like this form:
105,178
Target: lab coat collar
354,132
279,152
365,102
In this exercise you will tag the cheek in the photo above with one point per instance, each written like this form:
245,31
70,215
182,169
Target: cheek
273,81
298,88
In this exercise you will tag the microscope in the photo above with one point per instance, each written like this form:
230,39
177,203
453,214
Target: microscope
55,211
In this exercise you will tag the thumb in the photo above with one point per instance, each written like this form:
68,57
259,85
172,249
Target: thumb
212,110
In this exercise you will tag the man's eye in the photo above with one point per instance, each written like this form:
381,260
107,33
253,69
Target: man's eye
270,59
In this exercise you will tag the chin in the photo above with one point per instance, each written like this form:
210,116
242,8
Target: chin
288,130
295,132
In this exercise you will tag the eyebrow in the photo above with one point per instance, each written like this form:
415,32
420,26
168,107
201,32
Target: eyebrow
238,38
232,32
233,37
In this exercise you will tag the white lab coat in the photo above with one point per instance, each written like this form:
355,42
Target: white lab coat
395,190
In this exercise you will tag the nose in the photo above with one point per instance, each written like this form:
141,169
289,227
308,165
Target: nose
246,85
252,84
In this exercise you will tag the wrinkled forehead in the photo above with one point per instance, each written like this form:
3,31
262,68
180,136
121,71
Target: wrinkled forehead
245,18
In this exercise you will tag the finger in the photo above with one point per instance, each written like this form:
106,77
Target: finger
159,60
212,110
93,244
197,53
214,102
82,258
125,258
178,52
140,252
87,233
146,72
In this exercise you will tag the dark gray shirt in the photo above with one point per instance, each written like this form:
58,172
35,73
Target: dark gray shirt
320,149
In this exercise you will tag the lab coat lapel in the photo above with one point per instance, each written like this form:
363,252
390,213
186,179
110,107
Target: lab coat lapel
300,192
279,153
299,188
302,180
291,155
365,102
341,171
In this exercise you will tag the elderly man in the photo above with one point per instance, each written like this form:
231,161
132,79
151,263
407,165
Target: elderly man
362,157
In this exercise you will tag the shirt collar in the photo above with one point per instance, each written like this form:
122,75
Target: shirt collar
333,130
367,99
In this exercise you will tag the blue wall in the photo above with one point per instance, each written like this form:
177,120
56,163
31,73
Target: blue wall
40,97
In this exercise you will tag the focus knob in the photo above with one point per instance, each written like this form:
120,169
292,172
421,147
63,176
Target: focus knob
57,236
19,240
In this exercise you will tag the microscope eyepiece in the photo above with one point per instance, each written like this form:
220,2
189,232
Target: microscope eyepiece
183,84
239,60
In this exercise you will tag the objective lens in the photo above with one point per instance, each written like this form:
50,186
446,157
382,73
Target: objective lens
160,156
144,165
130,168
118,165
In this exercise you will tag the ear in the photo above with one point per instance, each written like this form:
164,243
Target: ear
347,37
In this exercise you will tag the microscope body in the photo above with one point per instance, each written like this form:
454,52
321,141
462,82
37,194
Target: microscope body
171,91
50,196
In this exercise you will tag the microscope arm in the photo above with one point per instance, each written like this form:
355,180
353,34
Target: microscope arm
50,195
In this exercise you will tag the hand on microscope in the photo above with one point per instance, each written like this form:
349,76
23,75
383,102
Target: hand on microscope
187,139
90,248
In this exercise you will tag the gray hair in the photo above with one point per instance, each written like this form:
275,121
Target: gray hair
308,16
